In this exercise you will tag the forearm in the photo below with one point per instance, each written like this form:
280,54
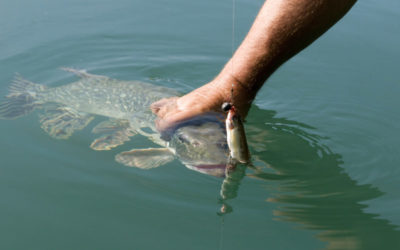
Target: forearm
281,29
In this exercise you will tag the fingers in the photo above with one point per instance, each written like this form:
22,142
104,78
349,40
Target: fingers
174,111
163,106
171,120
155,106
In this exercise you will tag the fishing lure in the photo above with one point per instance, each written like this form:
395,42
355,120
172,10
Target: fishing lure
236,137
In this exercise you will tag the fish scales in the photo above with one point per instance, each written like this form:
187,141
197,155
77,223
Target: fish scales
68,108
107,97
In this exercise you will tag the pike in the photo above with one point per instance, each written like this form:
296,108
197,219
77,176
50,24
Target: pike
200,146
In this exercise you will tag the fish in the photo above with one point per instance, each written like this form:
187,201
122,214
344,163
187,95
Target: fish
200,146
236,136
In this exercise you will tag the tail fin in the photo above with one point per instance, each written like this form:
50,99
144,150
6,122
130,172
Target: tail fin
22,98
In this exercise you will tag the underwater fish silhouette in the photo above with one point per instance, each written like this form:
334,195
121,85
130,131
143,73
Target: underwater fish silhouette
200,146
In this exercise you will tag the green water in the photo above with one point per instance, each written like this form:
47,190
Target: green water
324,130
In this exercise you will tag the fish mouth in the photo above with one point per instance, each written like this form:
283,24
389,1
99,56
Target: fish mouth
231,118
231,113
217,170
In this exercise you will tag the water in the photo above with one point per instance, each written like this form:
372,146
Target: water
324,129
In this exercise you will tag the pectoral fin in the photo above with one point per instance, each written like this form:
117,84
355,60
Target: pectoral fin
145,158
60,121
116,132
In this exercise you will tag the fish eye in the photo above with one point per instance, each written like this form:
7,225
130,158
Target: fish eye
226,106
182,139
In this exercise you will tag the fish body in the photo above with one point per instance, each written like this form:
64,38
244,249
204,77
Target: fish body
201,146
101,95
236,137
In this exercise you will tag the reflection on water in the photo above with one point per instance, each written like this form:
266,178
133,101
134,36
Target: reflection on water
230,186
313,189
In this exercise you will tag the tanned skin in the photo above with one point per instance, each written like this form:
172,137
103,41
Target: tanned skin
281,29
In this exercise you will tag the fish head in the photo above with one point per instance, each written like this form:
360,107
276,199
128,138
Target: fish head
202,147
232,118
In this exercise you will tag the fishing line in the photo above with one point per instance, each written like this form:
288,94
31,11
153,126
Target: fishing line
233,25
233,43
221,238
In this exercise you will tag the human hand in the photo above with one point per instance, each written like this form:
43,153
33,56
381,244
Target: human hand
206,99
175,110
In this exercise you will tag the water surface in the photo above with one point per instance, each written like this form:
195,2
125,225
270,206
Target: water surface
324,131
